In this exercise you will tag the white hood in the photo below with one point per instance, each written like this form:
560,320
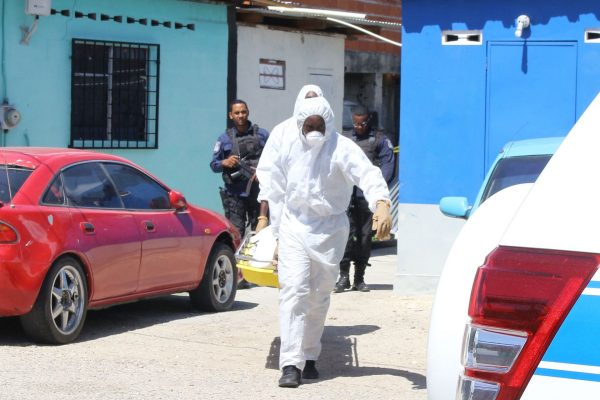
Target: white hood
315,106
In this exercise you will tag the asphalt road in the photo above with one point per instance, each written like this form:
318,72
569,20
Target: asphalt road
373,348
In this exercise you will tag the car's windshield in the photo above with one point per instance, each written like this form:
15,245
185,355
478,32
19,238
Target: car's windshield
16,175
513,171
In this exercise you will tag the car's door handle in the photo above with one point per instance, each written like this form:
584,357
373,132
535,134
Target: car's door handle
149,225
87,228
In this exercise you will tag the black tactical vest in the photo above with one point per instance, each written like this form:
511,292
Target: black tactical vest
248,147
369,145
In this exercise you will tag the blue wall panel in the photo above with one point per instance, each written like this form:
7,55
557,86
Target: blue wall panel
539,101
444,112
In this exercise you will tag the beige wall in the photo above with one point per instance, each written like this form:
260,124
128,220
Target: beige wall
309,58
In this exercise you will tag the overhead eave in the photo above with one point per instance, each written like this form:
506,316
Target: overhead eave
327,21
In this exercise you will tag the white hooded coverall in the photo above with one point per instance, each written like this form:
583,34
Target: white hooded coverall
271,150
309,194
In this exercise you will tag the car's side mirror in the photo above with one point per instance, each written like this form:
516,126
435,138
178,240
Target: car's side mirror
177,201
457,207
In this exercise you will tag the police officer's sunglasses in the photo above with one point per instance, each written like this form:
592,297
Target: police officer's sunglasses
362,124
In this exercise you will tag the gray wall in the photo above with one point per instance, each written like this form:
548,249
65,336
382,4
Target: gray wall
373,79
422,250
309,58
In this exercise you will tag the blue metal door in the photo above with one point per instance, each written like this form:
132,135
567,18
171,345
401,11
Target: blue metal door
531,92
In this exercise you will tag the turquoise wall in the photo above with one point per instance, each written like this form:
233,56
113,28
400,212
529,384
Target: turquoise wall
193,81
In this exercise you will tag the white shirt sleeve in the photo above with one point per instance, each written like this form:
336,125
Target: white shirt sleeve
359,170
277,192
269,154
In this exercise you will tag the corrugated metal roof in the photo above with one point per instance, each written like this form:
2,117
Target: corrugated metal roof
356,21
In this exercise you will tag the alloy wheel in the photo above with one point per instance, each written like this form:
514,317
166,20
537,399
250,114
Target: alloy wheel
222,279
67,299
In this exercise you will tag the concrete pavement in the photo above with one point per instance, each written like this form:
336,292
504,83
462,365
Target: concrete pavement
373,348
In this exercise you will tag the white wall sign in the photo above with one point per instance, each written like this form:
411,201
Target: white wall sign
271,74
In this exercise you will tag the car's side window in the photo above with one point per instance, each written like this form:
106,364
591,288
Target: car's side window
87,185
11,180
137,190
55,194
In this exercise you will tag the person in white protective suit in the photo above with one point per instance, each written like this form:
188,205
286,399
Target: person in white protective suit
311,184
287,128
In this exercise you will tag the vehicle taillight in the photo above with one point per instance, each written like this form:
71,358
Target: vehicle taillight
7,233
520,298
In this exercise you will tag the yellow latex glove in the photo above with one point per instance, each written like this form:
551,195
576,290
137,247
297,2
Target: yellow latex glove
382,220
262,223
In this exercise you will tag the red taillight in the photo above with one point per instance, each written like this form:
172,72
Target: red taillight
7,234
529,291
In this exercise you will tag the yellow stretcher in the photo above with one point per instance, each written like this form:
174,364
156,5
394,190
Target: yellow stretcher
255,258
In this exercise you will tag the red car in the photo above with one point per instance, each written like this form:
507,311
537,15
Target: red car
81,230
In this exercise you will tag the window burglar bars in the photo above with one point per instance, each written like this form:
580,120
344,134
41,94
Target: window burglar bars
114,94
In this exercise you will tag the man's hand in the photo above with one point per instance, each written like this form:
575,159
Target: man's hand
382,220
231,161
262,223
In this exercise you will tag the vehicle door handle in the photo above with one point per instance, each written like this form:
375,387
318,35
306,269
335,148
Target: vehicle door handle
149,225
87,228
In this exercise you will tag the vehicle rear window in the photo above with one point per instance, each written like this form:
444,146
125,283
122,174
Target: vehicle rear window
87,185
16,176
513,171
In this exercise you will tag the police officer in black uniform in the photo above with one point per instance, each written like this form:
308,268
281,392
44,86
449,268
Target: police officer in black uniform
236,156
379,150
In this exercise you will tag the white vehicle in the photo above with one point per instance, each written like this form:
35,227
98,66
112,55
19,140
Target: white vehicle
517,309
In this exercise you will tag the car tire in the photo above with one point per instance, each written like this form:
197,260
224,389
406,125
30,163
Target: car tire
217,289
59,312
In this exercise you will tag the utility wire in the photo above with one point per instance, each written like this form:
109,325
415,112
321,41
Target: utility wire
358,28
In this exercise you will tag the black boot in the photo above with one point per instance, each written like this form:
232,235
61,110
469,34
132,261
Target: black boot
360,286
290,377
359,278
343,283
310,370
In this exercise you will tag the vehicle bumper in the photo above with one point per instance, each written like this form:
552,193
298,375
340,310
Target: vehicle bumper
19,283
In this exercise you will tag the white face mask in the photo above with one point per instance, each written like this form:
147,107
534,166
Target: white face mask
314,138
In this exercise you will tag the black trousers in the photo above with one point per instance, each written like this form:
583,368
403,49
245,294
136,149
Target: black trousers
358,247
242,211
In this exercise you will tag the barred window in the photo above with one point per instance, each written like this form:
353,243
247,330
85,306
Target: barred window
114,94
